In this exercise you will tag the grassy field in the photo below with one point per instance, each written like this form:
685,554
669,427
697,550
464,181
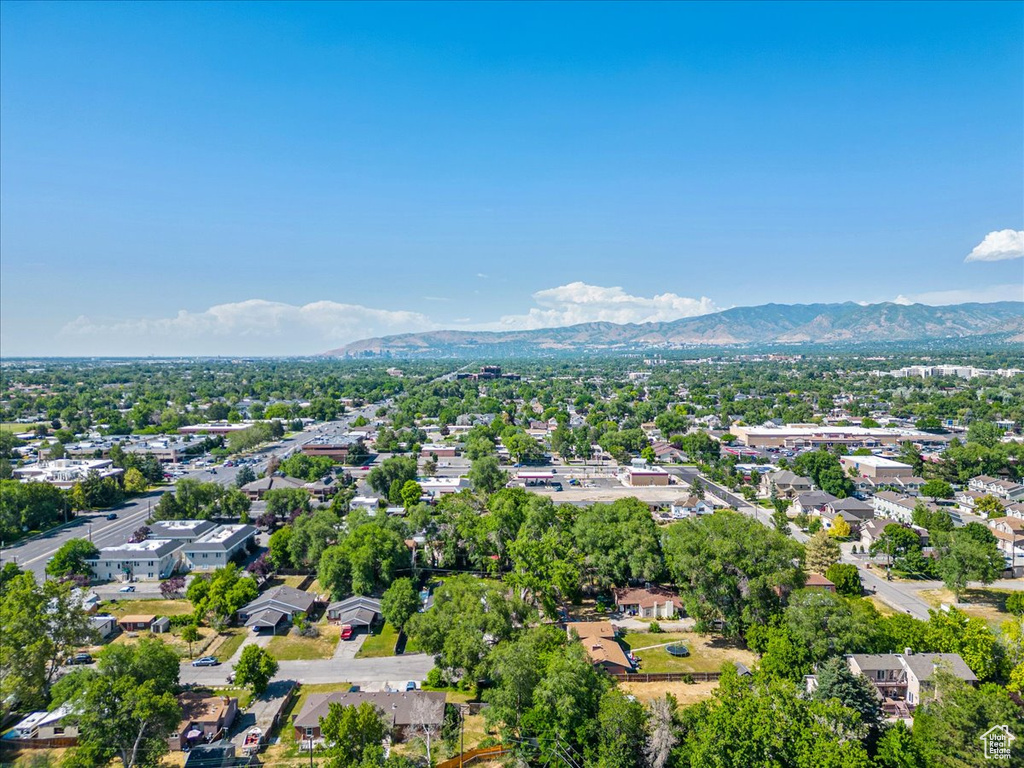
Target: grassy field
229,642
158,607
381,643
986,604
707,652
287,581
10,426
173,639
292,648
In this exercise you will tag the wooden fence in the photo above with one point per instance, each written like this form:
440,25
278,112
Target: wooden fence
16,744
667,677
471,756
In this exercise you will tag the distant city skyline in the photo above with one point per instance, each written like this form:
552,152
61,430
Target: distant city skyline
268,179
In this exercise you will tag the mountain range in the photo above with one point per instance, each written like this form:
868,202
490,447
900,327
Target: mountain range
765,324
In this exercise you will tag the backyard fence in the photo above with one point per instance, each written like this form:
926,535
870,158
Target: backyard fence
667,677
471,756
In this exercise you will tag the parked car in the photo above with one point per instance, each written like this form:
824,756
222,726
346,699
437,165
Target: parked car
410,686
353,689
112,516
206,661
81,658
128,588
346,632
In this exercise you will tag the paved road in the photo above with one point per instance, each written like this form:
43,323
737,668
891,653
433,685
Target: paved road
394,670
32,555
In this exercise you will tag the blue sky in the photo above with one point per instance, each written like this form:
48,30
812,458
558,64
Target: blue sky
283,178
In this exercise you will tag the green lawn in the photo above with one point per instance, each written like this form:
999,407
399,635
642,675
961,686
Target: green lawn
293,648
233,638
707,652
381,643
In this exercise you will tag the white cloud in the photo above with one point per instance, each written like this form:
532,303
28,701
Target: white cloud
254,326
1000,245
1008,292
579,302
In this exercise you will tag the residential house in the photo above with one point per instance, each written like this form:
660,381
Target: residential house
872,530
219,754
148,560
257,489
136,622
785,484
403,710
104,625
650,602
356,611
691,506
1004,489
894,505
908,677
47,725
854,511
203,719
1009,533
599,641
811,502
216,548
667,453
817,581
275,607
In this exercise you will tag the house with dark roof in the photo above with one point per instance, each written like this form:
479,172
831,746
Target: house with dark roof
275,607
785,484
908,677
402,710
811,502
203,718
356,611
258,488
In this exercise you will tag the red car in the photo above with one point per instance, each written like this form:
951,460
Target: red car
346,632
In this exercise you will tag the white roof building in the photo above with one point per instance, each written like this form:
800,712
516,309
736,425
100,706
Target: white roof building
64,473
147,560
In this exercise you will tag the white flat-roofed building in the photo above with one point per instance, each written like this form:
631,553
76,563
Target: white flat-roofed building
65,473
147,560
876,467
184,531
216,548
439,486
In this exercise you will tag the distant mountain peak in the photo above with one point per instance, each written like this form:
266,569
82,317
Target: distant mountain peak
847,322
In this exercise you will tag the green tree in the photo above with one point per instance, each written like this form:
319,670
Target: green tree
399,602
280,548
411,494
837,681
134,481
282,502
970,559
396,469
74,558
825,624
41,625
846,577
948,729
990,506
984,433
619,543
363,561
731,568
623,726
897,748
255,669
354,735
190,634
245,476
486,476
127,708
221,594
822,552
937,489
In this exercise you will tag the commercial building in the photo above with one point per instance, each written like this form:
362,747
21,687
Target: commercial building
876,467
147,560
218,547
644,477
817,436
65,473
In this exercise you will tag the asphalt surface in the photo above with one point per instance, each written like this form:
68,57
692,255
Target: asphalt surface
32,555
393,670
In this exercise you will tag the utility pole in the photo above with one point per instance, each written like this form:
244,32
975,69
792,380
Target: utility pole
462,735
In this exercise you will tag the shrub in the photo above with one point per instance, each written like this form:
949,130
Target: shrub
687,678
656,628
435,678
1015,603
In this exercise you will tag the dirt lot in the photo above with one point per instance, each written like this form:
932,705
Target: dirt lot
686,694
986,604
